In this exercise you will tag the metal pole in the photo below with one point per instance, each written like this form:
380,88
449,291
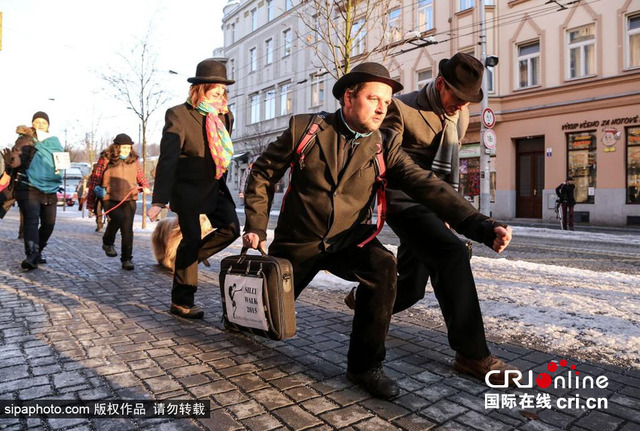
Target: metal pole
485,176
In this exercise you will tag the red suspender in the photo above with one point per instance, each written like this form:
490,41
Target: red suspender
380,194
300,152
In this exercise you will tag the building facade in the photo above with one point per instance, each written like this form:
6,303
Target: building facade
565,91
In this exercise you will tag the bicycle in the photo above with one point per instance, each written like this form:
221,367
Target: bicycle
558,212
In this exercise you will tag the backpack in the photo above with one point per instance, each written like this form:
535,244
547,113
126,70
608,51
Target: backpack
304,146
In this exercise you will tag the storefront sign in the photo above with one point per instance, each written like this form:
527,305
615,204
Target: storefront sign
609,137
469,151
601,123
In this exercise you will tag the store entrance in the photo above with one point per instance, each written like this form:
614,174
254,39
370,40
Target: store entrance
529,177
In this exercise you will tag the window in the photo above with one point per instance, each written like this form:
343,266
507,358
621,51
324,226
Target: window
424,77
425,15
466,4
529,64
269,10
285,99
581,51
488,71
489,3
317,90
633,165
288,4
581,148
232,69
268,51
633,41
253,60
233,32
358,35
269,104
286,42
254,19
232,109
394,30
254,103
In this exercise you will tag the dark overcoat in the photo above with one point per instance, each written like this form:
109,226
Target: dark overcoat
185,175
412,116
320,209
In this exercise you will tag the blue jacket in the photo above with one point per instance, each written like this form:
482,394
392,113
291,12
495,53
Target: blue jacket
42,173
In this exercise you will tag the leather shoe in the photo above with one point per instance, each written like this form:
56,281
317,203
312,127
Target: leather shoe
193,312
128,265
375,382
109,250
350,299
41,258
480,367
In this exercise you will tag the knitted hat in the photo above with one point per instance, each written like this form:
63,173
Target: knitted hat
123,139
42,115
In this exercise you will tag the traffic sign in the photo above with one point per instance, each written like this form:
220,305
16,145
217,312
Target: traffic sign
488,118
489,139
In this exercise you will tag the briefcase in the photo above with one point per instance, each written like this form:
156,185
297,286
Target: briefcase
257,295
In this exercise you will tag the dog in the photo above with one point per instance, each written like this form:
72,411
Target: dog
166,237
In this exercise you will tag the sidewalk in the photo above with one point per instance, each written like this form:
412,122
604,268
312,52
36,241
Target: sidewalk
81,328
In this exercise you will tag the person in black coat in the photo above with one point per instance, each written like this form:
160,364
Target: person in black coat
565,192
195,152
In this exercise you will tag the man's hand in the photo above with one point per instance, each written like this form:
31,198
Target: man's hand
153,212
503,238
252,240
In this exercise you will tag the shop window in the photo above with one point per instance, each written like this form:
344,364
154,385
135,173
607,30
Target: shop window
581,152
633,165
470,174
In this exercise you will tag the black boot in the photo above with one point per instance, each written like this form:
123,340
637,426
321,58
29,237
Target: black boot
32,251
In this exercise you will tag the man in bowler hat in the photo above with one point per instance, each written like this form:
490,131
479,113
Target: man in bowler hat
431,122
195,152
323,220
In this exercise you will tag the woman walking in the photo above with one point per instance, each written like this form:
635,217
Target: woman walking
116,180
195,152
37,183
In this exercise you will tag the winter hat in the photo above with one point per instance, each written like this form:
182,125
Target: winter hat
42,115
123,139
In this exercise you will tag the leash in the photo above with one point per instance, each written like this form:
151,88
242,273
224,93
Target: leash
123,200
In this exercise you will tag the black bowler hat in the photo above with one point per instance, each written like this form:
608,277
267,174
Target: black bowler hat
210,71
463,74
365,72
123,139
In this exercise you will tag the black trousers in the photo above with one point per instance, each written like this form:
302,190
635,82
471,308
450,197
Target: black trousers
373,267
120,219
429,249
194,249
39,212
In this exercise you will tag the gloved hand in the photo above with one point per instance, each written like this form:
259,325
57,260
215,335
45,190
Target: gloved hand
100,192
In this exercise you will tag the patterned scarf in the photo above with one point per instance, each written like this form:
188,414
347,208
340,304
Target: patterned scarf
220,144
447,160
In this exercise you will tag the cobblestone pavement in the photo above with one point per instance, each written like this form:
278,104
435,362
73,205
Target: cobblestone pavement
80,328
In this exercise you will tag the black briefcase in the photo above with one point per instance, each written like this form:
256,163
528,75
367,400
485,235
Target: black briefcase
257,295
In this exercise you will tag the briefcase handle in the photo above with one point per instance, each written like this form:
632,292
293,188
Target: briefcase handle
246,249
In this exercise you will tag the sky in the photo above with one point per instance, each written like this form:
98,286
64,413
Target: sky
53,53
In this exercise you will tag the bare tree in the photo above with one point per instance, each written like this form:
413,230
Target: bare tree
260,139
337,30
136,82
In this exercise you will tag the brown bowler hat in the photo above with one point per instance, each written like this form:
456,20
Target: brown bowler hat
210,71
365,72
463,73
